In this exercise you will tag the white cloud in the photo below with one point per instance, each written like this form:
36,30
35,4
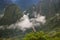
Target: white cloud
41,19
26,23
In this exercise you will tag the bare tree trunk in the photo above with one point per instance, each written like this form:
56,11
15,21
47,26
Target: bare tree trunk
34,30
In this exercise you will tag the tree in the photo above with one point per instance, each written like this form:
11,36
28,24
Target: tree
35,36
53,35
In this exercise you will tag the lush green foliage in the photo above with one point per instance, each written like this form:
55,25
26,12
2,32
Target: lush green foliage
43,36
53,35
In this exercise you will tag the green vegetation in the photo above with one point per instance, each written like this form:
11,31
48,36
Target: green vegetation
53,23
43,36
49,31
12,13
53,35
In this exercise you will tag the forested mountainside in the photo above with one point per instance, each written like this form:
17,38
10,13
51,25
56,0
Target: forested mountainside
46,7
12,13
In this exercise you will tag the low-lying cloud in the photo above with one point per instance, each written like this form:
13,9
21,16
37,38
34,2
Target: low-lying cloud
26,23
